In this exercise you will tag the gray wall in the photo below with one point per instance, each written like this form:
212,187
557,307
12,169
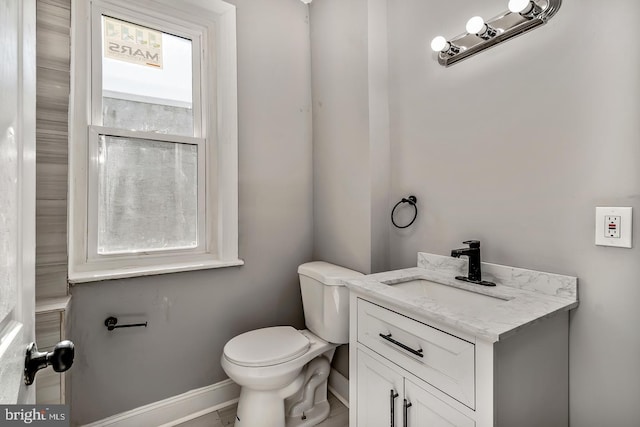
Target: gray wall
342,224
516,147
350,137
192,315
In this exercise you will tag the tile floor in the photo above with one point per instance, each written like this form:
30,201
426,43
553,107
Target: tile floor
338,417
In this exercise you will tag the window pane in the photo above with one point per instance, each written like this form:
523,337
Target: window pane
146,79
147,196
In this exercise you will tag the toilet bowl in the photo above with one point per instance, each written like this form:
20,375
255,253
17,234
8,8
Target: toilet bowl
282,371
267,380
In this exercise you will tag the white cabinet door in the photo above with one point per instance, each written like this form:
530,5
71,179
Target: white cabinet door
380,393
17,195
424,409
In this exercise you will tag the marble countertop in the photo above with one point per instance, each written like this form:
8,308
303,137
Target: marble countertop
525,296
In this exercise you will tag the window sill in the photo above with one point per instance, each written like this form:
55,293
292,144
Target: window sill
99,275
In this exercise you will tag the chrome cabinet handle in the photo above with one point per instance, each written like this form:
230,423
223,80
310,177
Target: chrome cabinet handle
406,407
417,352
392,398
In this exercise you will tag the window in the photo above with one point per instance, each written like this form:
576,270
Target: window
153,150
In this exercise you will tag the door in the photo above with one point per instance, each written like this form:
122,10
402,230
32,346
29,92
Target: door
379,393
427,410
17,195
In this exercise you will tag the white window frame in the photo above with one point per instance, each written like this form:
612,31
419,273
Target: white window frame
210,24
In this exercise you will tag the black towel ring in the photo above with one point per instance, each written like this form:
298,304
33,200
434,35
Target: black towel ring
412,200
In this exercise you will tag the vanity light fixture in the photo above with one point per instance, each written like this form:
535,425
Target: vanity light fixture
521,16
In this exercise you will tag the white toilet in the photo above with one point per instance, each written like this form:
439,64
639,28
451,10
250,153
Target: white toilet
282,371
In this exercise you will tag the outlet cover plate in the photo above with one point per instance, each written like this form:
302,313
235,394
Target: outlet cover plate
625,226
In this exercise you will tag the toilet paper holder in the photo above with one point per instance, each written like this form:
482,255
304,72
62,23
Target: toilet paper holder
111,322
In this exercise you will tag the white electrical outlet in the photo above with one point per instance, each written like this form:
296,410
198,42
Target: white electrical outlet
613,226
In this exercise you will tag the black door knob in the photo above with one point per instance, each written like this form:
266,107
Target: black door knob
60,359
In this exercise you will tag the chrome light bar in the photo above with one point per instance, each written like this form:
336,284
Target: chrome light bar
522,16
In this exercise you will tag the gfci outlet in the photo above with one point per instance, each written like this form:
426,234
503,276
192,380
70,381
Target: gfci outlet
613,226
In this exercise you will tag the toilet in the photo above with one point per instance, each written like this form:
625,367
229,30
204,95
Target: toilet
282,371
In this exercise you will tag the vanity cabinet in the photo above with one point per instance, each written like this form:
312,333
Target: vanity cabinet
413,372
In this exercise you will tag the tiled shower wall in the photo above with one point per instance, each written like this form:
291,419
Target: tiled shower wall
52,103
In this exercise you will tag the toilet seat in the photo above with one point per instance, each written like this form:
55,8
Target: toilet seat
266,346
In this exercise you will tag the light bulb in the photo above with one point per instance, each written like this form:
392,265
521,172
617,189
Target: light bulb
476,25
439,44
520,6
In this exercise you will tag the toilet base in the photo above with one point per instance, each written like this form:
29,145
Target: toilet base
309,405
314,416
262,408
272,411
303,403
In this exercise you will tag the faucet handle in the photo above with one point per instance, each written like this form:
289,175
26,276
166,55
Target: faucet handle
473,244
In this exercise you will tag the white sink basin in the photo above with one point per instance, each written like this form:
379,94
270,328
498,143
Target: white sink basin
446,294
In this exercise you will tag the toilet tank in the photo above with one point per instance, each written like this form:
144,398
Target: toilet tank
325,300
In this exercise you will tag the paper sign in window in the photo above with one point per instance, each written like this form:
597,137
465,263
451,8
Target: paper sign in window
132,43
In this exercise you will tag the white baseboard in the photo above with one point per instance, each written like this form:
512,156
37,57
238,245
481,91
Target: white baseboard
339,386
177,409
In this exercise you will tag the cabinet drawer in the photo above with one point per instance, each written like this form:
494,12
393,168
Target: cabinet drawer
441,359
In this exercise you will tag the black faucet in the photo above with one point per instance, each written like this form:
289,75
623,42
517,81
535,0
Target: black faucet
473,253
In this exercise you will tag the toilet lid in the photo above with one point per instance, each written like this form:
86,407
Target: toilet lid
266,347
